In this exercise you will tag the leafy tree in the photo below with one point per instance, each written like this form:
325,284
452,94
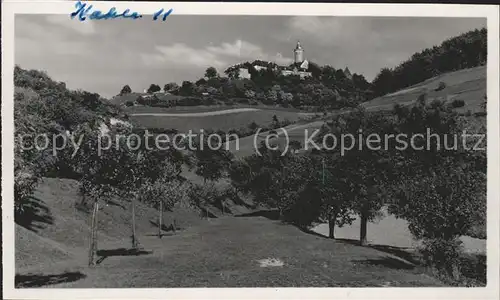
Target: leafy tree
452,181
187,89
211,72
170,87
285,98
154,88
249,94
253,126
212,161
232,73
271,97
384,82
45,107
126,90
364,170
30,164
163,194
275,122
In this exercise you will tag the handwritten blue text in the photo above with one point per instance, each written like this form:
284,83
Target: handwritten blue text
84,12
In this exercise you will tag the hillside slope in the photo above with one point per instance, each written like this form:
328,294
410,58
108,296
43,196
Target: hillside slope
60,228
468,85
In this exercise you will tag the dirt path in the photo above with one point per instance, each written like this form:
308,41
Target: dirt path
198,114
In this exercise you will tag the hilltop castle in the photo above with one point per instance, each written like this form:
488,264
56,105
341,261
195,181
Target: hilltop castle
299,66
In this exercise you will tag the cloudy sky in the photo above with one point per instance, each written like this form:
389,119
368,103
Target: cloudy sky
102,56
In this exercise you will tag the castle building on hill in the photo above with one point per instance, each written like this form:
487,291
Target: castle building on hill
299,67
298,53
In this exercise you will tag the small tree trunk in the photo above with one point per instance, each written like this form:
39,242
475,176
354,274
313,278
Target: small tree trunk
363,229
331,225
174,226
160,218
135,242
93,240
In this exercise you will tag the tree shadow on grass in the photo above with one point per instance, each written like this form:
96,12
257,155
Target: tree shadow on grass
35,280
387,262
120,252
400,252
169,229
35,214
312,232
165,227
271,214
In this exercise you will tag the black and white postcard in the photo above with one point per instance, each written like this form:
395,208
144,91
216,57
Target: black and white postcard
263,150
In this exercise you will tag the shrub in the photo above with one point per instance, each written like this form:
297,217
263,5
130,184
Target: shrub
129,103
442,254
441,86
458,103
204,194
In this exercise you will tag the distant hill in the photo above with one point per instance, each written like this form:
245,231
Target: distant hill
468,85
468,50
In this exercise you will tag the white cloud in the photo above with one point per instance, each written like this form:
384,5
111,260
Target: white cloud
33,40
328,30
181,55
85,28
217,56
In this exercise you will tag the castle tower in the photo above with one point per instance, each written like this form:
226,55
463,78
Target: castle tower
298,53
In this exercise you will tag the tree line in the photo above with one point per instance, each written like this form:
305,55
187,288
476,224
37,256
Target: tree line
440,193
467,50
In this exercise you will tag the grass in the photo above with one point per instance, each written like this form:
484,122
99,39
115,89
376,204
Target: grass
225,252
66,240
202,108
217,122
468,85
220,252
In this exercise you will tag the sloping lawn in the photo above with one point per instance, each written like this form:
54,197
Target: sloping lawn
225,252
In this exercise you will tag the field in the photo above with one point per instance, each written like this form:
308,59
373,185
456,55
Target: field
202,108
230,119
222,252
468,85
